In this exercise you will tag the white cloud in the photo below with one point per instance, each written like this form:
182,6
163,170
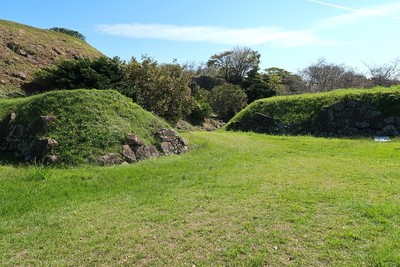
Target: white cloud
387,10
253,36
219,35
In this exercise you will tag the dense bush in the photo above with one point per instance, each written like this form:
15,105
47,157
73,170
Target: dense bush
200,111
163,89
227,100
73,33
259,91
207,82
100,73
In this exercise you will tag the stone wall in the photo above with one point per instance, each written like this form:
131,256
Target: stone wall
29,143
343,119
354,118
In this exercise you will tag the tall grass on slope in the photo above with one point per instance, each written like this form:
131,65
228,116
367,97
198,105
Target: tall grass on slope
236,199
88,122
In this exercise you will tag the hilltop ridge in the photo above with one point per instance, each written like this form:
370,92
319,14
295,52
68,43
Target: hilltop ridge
25,49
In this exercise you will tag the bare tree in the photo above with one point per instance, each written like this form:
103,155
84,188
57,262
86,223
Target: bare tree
385,75
323,76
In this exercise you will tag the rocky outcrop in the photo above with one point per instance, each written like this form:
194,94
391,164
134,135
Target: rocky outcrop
171,142
110,159
28,142
134,149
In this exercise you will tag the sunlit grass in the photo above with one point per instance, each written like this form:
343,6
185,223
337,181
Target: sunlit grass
234,200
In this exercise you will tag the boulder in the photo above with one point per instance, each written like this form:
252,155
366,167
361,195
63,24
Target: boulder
146,152
41,147
128,154
171,142
134,141
51,159
110,159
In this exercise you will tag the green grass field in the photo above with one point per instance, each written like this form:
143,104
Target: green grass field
236,199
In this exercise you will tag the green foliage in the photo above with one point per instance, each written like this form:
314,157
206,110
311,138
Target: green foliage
256,87
200,111
73,33
234,65
162,89
89,123
301,109
227,100
236,199
207,82
201,107
99,73
283,81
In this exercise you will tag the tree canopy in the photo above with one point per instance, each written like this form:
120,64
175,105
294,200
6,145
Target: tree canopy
233,65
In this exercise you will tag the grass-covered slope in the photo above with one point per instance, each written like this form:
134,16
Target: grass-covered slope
305,114
88,122
25,49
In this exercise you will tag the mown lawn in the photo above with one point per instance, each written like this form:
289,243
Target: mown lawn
236,199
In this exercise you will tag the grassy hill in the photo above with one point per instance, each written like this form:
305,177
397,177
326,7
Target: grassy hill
236,199
88,123
305,114
24,49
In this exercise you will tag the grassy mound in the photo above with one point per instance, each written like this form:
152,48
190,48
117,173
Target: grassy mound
88,123
303,114
25,49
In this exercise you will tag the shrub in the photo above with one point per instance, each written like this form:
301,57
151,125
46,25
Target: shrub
200,111
227,100
162,89
73,33
100,73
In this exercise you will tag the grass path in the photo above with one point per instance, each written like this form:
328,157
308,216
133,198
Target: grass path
236,199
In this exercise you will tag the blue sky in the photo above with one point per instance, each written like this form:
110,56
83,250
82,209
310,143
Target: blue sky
290,34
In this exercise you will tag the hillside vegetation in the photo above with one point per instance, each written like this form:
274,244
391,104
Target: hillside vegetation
88,123
348,112
25,49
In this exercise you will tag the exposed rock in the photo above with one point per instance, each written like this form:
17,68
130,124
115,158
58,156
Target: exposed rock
128,154
350,118
19,75
146,152
40,147
110,159
171,142
30,142
134,141
22,141
52,159
4,126
40,125
212,124
17,131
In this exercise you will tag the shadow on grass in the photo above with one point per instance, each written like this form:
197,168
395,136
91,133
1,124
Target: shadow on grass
7,158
